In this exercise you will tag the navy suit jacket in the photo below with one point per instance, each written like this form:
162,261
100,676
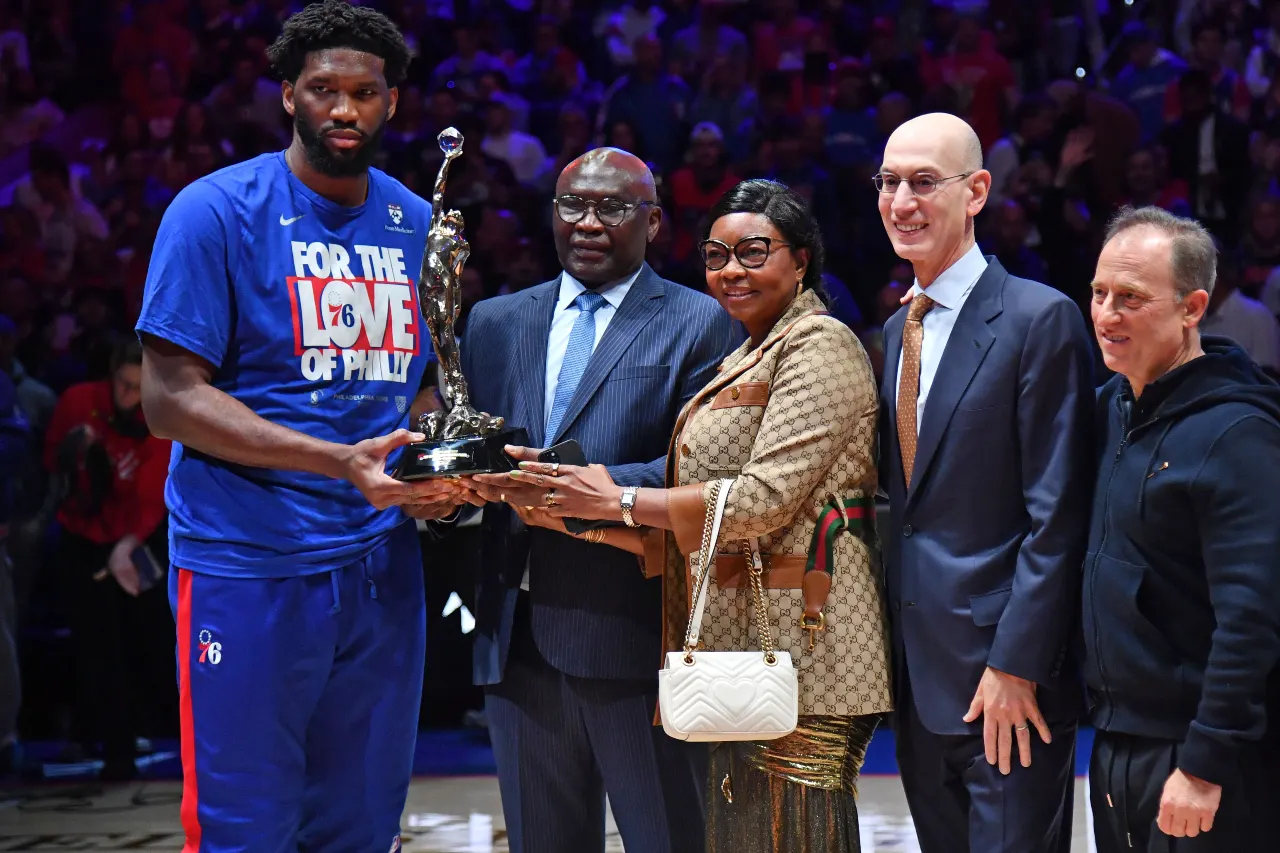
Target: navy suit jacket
983,553
593,614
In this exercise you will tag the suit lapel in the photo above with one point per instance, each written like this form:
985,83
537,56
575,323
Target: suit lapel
892,352
891,457
642,302
970,341
531,380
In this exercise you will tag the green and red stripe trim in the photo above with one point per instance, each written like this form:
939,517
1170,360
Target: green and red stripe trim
855,515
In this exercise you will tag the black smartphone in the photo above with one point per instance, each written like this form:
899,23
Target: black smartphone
570,453
150,572
566,453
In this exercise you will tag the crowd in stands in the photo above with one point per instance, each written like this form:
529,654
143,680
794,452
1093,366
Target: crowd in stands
111,107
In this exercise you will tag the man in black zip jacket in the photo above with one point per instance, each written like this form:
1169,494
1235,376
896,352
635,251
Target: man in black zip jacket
1182,577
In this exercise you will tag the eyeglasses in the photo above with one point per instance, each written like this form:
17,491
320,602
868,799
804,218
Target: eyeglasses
923,185
751,252
610,211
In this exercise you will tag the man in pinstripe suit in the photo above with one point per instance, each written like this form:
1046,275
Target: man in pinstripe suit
568,633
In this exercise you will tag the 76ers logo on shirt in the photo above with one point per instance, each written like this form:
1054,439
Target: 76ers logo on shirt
356,326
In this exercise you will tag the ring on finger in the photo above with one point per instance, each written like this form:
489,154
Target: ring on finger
1023,727
555,469
550,498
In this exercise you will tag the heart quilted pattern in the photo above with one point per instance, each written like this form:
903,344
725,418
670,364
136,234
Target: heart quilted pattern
736,696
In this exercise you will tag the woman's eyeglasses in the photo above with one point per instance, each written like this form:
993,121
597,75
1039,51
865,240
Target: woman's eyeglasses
751,252
610,211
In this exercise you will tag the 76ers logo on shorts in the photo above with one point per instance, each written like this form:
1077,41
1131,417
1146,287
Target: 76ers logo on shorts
210,651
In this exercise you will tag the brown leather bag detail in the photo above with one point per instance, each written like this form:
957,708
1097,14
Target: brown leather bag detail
817,586
742,394
781,571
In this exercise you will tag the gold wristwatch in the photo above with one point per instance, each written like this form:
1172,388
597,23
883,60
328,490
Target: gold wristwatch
628,502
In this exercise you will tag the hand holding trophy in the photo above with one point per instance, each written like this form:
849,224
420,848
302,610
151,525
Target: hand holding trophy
460,440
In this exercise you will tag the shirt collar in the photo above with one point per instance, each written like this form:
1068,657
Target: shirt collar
613,293
950,288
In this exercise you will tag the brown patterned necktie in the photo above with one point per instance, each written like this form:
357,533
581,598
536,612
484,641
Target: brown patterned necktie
909,381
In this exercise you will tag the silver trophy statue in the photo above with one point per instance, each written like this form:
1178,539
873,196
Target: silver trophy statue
460,440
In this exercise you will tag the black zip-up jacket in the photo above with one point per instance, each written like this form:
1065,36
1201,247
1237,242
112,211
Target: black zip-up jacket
1182,576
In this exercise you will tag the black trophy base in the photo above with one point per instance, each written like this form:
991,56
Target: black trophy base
459,457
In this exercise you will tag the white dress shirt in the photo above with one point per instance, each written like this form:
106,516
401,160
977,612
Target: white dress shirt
949,292
566,314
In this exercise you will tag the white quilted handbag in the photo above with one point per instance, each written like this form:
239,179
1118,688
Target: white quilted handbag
727,696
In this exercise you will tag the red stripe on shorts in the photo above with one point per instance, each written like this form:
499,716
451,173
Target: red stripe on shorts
190,797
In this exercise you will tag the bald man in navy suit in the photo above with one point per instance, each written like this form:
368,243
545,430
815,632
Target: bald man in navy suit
986,418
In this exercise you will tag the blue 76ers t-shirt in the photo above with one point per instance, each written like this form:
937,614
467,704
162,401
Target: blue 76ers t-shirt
308,311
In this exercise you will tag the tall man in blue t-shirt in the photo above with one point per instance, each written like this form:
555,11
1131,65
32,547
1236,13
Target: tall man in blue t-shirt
284,342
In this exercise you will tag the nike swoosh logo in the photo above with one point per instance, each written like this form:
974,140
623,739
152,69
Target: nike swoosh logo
284,221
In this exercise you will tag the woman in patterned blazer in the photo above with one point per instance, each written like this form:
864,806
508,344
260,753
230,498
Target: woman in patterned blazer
791,417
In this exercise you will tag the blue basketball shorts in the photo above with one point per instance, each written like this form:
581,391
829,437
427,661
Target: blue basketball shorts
299,704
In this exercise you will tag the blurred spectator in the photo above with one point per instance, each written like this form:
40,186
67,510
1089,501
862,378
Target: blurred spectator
1230,94
63,216
709,42
1210,151
34,399
1240,318
549,73
112,472
1261,66
1009,243
623,28
522,152
695,188
247,98
461,72
850,123
1143,83
981,78
160,105
654,103
783,158
153,36
27,115
1260,245
890,69
782,41
1115,134
725,98
14,52
1033,127
1148,182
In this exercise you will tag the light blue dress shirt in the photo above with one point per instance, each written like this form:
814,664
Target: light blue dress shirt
949,292
562,324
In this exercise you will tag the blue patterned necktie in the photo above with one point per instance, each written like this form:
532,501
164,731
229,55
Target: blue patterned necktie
582,340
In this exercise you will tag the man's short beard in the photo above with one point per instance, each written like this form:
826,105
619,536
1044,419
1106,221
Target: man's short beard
348,163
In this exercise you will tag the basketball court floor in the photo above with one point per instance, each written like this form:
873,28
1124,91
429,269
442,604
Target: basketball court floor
445,815
453,807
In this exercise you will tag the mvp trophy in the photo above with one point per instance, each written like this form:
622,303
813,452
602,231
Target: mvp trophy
460,440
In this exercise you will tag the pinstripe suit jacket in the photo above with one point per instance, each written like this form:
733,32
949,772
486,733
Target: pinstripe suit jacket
593,613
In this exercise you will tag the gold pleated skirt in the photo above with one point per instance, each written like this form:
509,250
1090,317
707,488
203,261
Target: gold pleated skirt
796,794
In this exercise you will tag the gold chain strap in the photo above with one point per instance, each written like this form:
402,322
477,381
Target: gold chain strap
756,570
703,562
